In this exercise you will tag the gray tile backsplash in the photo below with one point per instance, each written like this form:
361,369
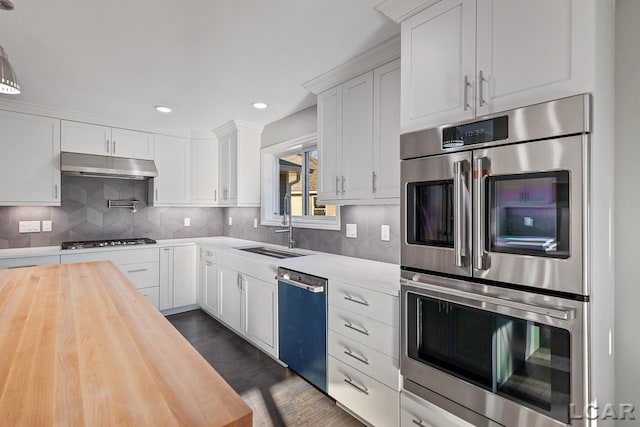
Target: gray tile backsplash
84,215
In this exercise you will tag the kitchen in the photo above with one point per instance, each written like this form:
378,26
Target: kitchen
439,186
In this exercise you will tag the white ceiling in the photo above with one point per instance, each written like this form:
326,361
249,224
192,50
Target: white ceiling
207,59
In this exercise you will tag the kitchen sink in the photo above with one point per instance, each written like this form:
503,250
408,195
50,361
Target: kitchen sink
271,252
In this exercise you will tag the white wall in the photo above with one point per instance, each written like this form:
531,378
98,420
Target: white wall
298,124
627,204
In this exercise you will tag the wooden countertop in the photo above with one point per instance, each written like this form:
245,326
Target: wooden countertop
79,345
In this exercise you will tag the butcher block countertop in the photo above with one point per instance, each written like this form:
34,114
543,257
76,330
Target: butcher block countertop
80,346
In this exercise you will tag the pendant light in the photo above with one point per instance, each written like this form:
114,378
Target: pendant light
8,82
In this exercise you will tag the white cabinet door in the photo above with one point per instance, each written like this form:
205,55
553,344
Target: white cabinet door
30,160
171,186
204,172
131,144
86,138
228,169
230,298
166,278
329,143
416,411
201,280
386,130
184,275
357,138
261,314
211,290
438,55
531,52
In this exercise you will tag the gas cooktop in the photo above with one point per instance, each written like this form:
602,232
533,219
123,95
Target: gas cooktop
87,244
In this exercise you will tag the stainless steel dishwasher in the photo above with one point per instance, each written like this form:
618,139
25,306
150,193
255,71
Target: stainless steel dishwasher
302,317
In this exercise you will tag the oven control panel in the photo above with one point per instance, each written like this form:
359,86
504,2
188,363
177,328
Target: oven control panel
495,129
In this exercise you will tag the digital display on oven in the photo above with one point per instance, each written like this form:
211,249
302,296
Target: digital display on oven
476,133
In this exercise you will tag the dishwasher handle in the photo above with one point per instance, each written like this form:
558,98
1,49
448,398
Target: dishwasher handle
310,288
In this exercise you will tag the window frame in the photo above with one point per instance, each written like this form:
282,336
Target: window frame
270,182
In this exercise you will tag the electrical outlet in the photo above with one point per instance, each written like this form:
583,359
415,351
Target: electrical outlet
384,233
352,231
46,225
187,222
29,226
255,222
230,221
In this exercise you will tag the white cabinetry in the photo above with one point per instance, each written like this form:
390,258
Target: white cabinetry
204,172
88,138
239,164
261,320
177,277
211,290
358,138
468,58
30,160
171,186
230,298
23,262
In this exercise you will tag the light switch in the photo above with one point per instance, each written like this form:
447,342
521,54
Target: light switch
187,222
384,233
255,222
230,221
352,231
46,225
29,226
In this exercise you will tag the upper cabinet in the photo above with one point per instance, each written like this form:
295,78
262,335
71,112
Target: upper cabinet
239,164
172,185
204,172
468,58
30,160
359,137
106,141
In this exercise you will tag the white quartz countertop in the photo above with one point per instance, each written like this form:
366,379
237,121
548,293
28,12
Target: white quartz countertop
380,276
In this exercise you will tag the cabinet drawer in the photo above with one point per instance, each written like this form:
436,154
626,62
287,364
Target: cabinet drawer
415,411
368,303
120,257
373,401
29,261
142,275
371,362
366,331
152,294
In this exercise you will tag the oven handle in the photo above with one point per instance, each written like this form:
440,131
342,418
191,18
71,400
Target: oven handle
494,304
482,168
459,210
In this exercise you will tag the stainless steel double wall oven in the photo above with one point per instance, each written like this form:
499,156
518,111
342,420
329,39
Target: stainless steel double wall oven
495,283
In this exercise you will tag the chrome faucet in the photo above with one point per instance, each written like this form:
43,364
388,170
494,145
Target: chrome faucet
287,207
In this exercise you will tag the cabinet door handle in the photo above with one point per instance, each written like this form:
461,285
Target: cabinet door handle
481,88
156,194
420,423
138,270
363,331
209,264
215,195
343,180
374,178
466,93
21,266
361,389
55,191
363,302
337,185
167,249
362,359
108,146
114,146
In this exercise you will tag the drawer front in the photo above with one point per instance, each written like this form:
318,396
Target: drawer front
373,401
419,412
29,261
142,275
133,256
375,305
152,294
376,335
367,360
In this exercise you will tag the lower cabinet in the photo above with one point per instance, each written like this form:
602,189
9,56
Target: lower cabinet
261,319
230,298
177,277
37,261
152,294
415,411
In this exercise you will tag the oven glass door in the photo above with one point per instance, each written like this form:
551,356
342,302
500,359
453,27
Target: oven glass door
521,360
430,213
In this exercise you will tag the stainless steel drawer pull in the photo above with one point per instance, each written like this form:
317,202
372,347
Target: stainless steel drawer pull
361,389
362,359
420,423
139,270
22,266
363,302
363,331
209,264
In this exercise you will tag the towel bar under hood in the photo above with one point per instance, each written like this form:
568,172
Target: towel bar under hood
91,165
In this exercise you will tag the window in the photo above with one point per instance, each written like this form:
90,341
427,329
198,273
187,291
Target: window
292,168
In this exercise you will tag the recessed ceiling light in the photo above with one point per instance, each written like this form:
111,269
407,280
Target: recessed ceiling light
163,109
260,105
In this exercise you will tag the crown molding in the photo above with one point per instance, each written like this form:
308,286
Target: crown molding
77,116
237,126
400,10
383,53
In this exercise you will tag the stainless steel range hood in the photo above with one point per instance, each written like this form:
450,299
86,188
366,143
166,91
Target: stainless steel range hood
106,167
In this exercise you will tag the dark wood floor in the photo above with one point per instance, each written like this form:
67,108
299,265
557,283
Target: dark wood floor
277,395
